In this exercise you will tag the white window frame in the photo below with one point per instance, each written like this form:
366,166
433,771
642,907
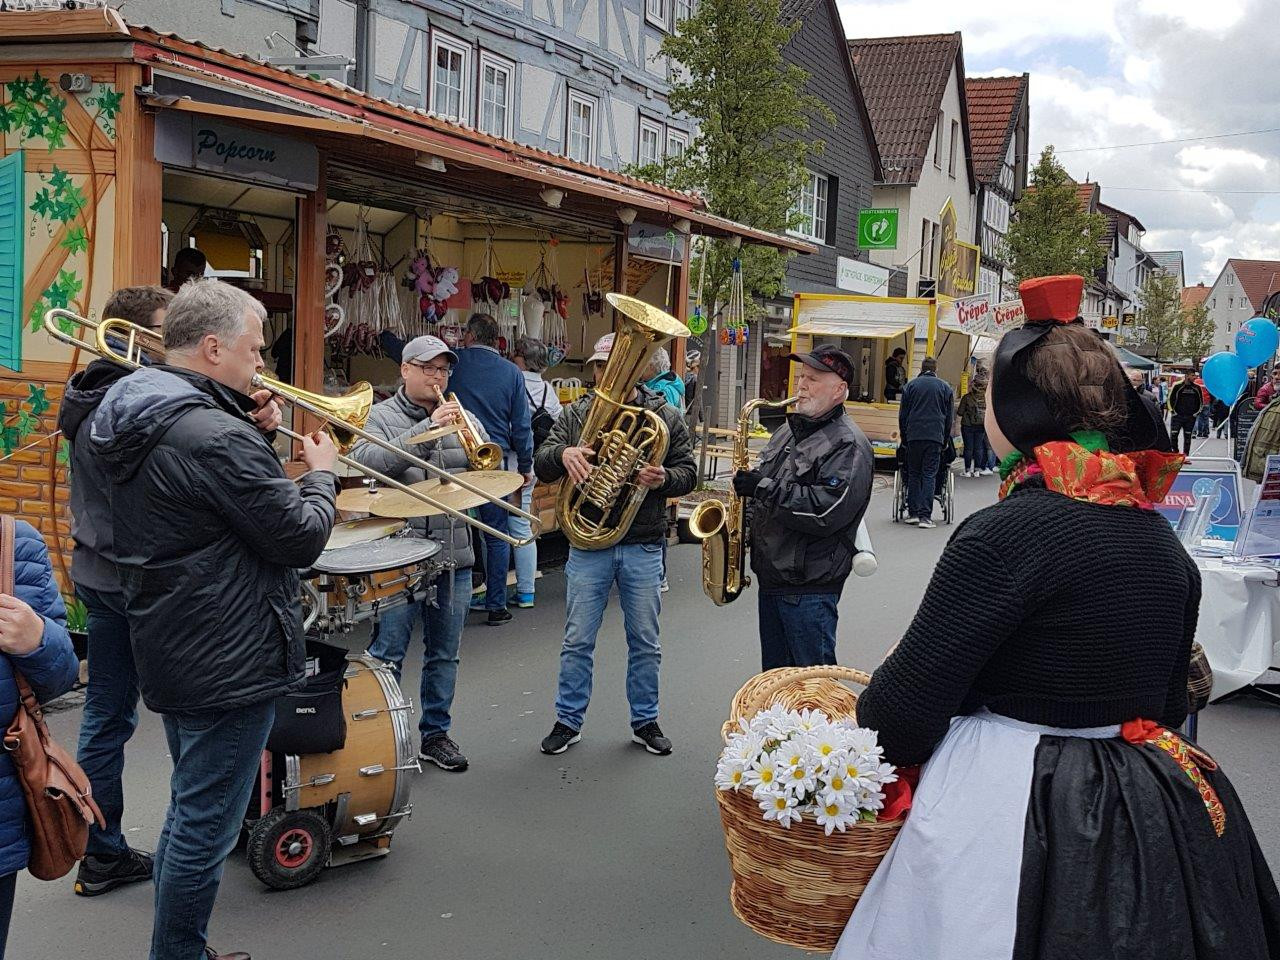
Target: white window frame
490,61
655,13
937,141
1231,279
655,128
582,99
442,41
814,205
955,147
681,10
674,138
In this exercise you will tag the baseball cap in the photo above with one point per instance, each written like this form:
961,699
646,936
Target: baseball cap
827,359
422,349
603,347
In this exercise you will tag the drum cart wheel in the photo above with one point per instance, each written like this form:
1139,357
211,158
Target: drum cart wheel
288,848
949,497
899,496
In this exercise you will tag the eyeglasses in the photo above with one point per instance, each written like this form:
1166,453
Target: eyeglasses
441,371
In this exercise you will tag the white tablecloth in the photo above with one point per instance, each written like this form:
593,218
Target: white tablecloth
1239,622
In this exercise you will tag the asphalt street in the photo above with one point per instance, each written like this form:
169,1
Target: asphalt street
602,852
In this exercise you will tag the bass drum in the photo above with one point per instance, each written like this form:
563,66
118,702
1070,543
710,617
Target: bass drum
365,785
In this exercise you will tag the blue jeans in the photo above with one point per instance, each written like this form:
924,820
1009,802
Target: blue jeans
526,556
215,760
977,454
589,576
797,629
924,460
497,557
110,715
441,635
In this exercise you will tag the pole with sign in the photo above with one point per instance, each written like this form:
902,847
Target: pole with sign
878,228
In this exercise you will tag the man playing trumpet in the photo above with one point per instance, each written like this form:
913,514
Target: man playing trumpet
416,407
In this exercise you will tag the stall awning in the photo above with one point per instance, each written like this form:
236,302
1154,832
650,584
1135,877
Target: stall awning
869,331
1131,359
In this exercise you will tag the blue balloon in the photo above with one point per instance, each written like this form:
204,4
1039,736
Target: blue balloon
1225,376
1256,341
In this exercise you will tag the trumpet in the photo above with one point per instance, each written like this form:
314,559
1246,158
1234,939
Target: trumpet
343,416
481,455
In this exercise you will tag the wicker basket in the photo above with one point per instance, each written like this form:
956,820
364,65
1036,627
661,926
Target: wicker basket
797,886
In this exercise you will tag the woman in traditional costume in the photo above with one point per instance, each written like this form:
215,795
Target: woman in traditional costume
1058,813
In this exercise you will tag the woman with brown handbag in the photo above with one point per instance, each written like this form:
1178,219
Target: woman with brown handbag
34,640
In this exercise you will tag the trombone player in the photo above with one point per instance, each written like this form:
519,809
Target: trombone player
635,564
207,535
810,491
417,406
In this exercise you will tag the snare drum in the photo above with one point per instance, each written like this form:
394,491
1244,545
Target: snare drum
356,583
367,781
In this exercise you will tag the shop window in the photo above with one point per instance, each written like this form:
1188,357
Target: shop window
11,246
655,11
649,149
580,136
448,84
677,143
811,206
495,96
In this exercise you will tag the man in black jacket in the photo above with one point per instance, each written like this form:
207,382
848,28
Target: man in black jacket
808,496
208,532
635,564
1185,401
111,697
925,421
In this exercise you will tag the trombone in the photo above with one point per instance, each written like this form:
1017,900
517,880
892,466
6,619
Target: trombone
343,416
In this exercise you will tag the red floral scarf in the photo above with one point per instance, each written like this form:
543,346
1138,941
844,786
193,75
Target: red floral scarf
1085,470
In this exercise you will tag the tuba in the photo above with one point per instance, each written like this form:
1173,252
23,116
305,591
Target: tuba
480,455
598,512
722,526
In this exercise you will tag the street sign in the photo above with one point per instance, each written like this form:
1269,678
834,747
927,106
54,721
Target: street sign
878,229
858,277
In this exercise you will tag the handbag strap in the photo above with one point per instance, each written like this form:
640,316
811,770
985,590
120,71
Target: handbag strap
8,533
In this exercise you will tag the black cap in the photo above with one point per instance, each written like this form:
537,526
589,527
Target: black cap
827,359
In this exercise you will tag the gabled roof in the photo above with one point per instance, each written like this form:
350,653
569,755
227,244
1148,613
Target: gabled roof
1194,296
1258,278
903,80
994,106
1118,221
793,10
1167,260
1090,196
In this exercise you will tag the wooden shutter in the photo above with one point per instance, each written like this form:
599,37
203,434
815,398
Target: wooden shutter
11,245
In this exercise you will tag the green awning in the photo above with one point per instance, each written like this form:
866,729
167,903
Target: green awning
1131,359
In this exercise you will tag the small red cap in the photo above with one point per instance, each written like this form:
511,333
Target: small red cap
1052,298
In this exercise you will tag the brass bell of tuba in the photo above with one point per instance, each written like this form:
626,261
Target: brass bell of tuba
598,512
722,526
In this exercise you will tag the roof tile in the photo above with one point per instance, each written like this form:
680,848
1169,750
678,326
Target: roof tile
1259,278
903,80
993,107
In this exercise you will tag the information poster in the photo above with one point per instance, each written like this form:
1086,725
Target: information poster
1224,517
1262,533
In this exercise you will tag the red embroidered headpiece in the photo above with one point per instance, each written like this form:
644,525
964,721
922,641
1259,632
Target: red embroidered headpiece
1052,298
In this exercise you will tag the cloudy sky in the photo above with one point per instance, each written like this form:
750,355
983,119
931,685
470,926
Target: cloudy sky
1105,73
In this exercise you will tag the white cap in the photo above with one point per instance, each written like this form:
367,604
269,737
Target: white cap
604,346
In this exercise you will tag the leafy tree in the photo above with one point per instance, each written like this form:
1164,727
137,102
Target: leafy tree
748,158
1049,232
1197,333
1161,313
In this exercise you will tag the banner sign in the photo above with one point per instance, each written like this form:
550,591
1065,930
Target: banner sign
957,261
979,317
858,277
1224,522
239,153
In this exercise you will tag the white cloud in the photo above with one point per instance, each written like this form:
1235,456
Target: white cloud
1105,72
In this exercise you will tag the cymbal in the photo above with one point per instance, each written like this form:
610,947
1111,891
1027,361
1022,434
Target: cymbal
435,433
496,483
360,499
362,531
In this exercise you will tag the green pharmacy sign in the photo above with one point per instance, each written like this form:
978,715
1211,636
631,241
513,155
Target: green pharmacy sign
878,229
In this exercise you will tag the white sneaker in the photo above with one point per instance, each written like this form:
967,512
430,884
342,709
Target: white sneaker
987,473
664,586
927,524
911,520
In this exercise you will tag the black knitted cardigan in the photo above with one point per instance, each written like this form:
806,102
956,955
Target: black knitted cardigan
1048,610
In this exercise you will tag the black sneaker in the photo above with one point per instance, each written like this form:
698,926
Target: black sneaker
560,739
443,752
98,875
498,617
650,737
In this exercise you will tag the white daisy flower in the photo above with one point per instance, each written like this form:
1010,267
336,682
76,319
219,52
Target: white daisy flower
826,741
780,807
799,778
835,788
730,773
835,816
762,774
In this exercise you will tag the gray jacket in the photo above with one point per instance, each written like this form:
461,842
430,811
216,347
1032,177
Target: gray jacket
650,523
397,419
806,510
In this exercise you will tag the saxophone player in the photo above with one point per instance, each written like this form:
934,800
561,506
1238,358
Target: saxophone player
635,564
808,496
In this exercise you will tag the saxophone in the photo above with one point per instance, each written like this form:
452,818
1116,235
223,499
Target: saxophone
598,512
722,526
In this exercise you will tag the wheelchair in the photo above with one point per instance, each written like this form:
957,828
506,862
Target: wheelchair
945,493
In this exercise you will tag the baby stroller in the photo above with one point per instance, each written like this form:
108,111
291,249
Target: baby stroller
944,493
